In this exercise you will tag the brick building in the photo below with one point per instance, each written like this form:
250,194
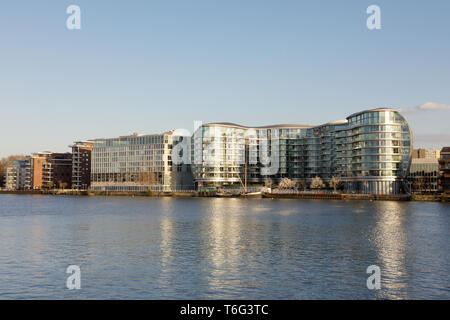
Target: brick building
81,164
444,171
51,170
57,171
37,162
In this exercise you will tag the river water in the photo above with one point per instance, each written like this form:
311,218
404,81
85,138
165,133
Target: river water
212,248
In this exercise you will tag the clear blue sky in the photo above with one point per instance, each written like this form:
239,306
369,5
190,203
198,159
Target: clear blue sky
149,66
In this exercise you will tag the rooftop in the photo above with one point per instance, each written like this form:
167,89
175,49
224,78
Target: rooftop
371,110
423,160
134,135
230,124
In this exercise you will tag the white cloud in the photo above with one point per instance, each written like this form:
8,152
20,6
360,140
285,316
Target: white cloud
434,106
427,106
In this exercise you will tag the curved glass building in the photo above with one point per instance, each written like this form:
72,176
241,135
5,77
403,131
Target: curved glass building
221,148
374,152
370,152
226,153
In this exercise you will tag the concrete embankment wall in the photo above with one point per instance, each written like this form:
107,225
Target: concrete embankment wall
319,196
21,192
301,196
419,197
141,194
337,196
103,193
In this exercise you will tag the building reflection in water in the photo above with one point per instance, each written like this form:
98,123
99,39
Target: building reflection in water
211,248
167,239
229,246
222,245
241,248
33,249
390,242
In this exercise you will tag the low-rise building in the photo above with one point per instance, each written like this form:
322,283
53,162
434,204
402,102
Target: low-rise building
137,163
57,171
18,175
425,153
444,171
37,162
51,170
81,164
11,178
423,175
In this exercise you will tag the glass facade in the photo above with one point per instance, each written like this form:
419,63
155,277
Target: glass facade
375,154
222,153
222,150
370,152
423,175
137,163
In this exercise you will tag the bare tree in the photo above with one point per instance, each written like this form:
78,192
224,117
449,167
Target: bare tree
287,183
334,183
301,184
419,185
6,162
317,183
